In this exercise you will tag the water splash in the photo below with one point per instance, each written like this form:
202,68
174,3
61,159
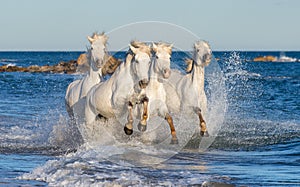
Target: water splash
122,160
65,136
217,102
243,129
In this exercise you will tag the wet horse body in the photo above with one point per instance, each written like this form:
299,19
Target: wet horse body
111,98
190,87
96,56
159,72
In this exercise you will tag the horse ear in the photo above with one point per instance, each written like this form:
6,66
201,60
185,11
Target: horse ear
195,45
207,43
154,47
90,39
95,36
133,49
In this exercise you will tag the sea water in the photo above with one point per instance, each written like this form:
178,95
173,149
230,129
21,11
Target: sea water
253,118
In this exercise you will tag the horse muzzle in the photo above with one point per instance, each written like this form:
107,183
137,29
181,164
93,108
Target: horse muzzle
143,83
166,73
207,58
99,63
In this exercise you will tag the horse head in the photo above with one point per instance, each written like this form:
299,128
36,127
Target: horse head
140,62
202,53
162,59
97,51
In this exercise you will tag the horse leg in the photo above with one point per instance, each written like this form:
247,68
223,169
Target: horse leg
142,126
128,128
70,112
203,128
89,115
173,131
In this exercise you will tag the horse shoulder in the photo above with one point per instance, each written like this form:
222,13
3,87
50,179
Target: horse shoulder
122,81
87,83
71,85
99,97
183,84
72,93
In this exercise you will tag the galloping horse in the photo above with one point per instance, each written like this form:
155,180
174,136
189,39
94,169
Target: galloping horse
159,71
97,57
124,89
190,87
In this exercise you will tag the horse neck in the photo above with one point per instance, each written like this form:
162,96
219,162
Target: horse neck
128,60
153,74
198,76
94,72
128,64
123,71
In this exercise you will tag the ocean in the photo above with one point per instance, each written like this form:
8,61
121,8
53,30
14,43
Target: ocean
253,119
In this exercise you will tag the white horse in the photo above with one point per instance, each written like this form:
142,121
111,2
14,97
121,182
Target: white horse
123,90
155,91
190,87
97,57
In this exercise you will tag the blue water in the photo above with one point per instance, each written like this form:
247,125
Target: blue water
257,144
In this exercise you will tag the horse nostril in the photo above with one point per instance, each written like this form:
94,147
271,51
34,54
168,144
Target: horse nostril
143,83
166,73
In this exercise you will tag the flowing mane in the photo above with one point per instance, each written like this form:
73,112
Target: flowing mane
163,46
205,48
97,36
141,46
189,65
111,65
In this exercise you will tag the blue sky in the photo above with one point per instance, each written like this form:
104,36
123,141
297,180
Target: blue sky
226,24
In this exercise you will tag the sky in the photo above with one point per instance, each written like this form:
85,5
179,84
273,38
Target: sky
63,25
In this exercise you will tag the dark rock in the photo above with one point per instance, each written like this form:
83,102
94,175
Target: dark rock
61,67
65,67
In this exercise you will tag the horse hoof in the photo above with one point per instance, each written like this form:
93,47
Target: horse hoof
128,131
174,141
142,128
204,134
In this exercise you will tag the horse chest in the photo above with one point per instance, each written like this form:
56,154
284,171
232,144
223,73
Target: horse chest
155,90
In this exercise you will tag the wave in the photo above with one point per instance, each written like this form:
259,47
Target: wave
134,164
280,78
88,168
242,73
8,60
8,64
251,134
